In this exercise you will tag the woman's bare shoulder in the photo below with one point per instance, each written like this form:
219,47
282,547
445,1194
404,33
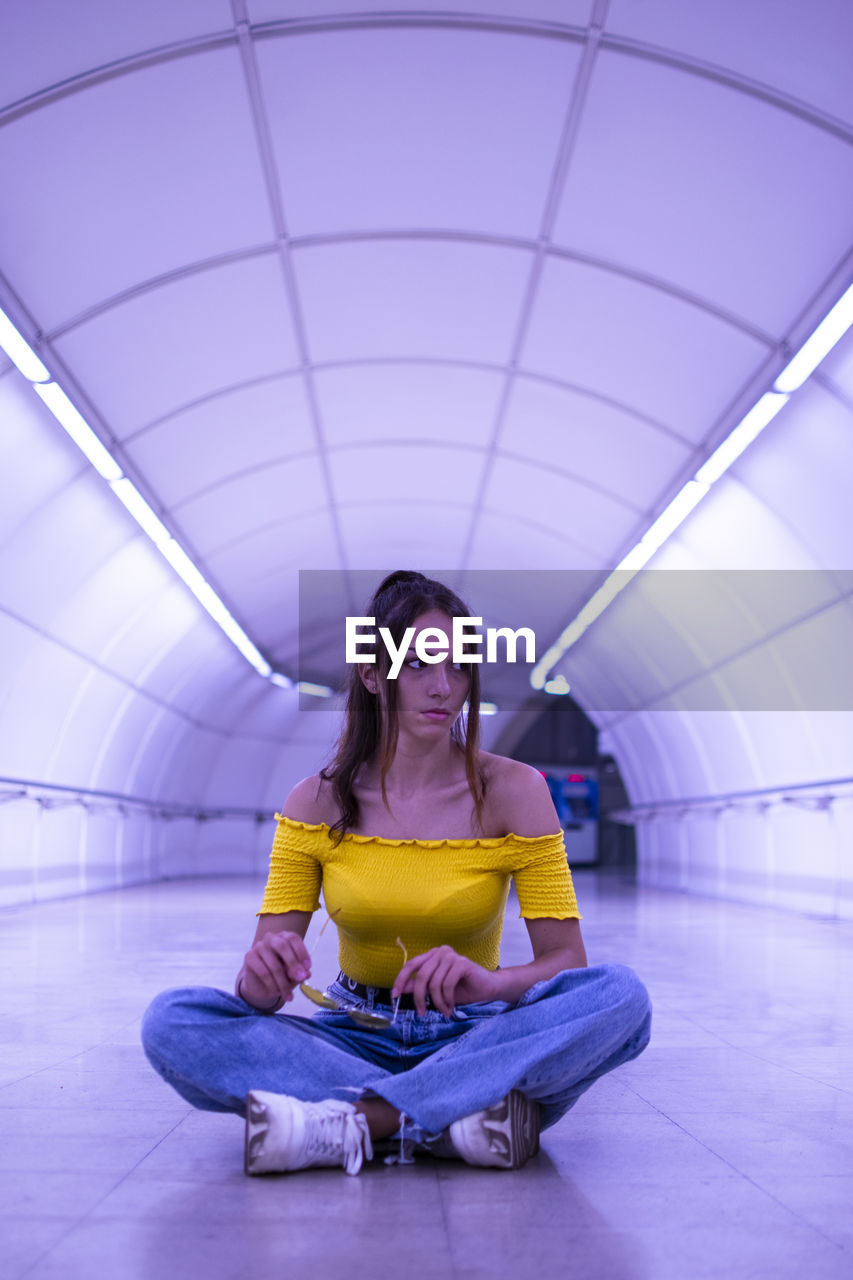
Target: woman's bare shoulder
501,771
517,797
311,801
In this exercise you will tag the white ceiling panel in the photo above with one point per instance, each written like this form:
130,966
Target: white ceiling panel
78,529
812,438
246,502
44,42
134,591
413,471
645,348
262,570
430,118
39,455
304,540
733,228
593,439
450,301
130,179
408,401
177,672
275,616
562,11
405,533
803,50
236,431
574,511
838,368
270,602
733,528
174,344
504,540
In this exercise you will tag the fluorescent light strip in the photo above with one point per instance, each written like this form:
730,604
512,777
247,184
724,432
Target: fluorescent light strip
20,352
741,437
670,518
188,571
69,417
654,537
831,329
559,685
315,690
488,708
141,512
594,607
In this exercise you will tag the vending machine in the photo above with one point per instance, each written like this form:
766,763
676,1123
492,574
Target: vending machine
574,791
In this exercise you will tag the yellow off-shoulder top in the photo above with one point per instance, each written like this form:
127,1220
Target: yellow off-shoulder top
428,892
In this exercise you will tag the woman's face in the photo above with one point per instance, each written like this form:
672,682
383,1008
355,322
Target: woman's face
430,695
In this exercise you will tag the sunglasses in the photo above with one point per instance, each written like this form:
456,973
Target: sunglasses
361,1017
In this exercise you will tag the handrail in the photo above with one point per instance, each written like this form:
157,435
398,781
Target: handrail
790,793
90,799
43,794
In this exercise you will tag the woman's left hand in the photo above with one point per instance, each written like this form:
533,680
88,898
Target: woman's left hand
448,978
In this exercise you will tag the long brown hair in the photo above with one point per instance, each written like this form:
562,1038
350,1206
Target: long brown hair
370,725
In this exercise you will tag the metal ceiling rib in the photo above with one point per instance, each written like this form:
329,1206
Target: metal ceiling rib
510,26
508,517
111,71
538,246
556,185
273,187
142,287
550,468
322,366
731,80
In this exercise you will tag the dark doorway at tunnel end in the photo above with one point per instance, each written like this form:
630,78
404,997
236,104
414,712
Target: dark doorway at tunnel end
561,741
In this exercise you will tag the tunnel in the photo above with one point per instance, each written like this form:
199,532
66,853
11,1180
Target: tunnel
549,300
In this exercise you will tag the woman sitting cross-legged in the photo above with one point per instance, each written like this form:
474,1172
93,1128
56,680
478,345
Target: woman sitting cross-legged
425,1045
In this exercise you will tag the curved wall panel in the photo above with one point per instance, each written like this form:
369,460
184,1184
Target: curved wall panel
114,680
791,852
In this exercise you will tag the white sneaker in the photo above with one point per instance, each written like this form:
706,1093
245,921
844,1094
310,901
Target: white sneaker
283,1134
503,1136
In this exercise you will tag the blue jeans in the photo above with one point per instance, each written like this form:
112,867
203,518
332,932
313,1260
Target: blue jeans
561,1036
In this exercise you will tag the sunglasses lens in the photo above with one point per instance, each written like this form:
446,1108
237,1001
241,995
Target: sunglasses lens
362,1018
312,993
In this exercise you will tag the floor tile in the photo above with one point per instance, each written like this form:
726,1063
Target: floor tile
23,1241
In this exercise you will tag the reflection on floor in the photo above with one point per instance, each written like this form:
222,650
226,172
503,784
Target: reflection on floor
725,1150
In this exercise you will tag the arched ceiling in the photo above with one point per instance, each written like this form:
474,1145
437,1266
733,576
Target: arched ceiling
465,286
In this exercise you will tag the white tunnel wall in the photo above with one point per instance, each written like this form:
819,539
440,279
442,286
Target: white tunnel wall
785,505
114,679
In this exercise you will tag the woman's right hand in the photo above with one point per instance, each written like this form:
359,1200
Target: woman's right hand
273,966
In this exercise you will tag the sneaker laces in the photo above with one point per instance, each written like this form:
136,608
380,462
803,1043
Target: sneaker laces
339,1131
407,1144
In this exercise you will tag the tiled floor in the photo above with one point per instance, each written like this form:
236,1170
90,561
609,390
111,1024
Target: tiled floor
725,1150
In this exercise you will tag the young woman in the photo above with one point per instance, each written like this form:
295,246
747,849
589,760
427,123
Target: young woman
413,833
